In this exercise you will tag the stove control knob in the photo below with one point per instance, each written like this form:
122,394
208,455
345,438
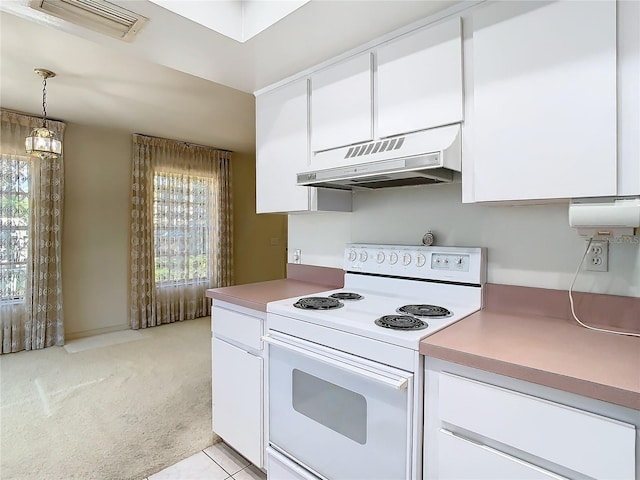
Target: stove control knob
363,256
393,258
380,257
421,260
406,259
352,255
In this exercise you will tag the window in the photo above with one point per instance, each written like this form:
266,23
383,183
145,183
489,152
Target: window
181,218
14,227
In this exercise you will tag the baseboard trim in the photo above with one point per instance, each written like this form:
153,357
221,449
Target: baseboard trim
95,331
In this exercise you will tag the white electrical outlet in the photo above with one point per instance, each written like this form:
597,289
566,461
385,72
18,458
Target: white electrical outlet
297,255
597,259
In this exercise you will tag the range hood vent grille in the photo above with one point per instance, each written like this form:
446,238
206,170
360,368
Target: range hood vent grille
375,147
97,15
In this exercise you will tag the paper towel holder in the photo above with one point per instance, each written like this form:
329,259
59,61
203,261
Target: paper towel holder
605,217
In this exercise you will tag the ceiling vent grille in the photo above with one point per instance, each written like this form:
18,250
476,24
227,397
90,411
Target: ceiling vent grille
97,15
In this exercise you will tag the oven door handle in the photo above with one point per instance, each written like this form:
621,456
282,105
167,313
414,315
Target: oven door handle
398,383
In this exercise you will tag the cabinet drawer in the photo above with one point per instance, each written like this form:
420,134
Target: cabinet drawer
482,463
581,441
238,327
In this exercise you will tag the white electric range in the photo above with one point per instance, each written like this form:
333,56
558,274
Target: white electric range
345,381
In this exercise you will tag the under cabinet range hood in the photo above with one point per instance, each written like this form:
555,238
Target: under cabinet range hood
421,158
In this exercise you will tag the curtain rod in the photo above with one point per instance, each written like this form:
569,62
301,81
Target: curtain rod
191,144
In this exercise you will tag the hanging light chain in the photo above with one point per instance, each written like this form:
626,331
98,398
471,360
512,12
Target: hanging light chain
44,101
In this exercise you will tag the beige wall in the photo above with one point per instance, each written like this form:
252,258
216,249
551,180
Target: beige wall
95,230
527,245
260,240
96,226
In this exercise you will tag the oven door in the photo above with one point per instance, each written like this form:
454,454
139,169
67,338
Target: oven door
338,415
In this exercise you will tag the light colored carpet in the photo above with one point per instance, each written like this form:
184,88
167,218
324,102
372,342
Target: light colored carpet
121,411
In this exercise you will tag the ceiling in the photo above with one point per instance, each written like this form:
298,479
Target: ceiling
178,79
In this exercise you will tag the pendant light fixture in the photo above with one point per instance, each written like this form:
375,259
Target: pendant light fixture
43,142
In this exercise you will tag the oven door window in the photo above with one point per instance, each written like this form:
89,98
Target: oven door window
340,419
335,407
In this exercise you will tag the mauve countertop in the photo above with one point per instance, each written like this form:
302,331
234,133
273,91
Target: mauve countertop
549,351
301,280
257,295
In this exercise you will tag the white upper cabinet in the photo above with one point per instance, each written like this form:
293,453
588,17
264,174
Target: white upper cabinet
282,151
419,80
628,98
281,148
341,104
544,101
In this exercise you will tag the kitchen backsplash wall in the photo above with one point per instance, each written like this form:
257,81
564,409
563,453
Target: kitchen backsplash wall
527,245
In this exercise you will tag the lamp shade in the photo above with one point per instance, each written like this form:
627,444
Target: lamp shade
43,143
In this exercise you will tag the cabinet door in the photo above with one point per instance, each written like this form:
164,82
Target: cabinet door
281,149
628,98
460,459
544,89
419,80
341,104
549,431
237,399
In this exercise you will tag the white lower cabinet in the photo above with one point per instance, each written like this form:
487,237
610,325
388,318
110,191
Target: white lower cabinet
480,425
460,458
237,370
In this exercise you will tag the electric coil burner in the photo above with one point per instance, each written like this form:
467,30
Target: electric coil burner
432,311
401,322
346,296
318,303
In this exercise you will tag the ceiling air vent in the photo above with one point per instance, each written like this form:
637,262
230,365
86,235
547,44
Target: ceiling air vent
97,15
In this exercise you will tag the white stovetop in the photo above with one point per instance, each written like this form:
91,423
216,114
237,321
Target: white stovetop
358,316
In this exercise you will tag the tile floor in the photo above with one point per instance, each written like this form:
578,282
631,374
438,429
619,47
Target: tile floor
217,462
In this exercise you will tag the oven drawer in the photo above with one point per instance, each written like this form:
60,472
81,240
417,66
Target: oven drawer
238,327
280,467
590,444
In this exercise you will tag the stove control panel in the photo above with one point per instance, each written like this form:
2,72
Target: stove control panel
458,264
450,262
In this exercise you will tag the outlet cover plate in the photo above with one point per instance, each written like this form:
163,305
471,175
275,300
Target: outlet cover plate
597,259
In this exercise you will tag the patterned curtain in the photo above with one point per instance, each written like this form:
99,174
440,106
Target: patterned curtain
181,230
30,259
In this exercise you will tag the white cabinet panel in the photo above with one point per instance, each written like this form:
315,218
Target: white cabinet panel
341,104
628,98
238,327
419,80
281,149
460,459
548,430
544,93
237,399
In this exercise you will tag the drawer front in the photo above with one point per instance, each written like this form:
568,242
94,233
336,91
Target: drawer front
461,459
238,327
584,442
